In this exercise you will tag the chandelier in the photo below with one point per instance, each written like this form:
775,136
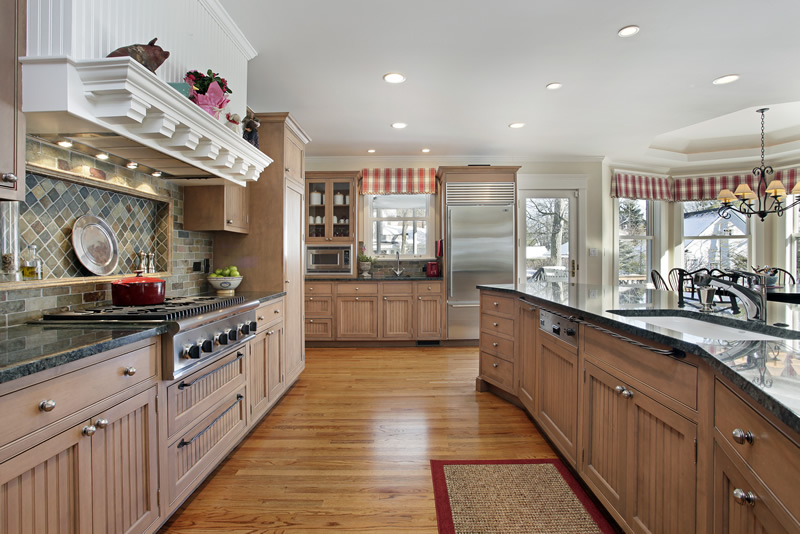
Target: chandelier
769,198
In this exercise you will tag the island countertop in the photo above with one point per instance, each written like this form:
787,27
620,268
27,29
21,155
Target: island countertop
765,370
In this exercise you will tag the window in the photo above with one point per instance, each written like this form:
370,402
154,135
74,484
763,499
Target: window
635,243
793,262
399,223
712,242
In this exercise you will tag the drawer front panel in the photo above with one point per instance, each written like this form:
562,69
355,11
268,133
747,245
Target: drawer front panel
397,288
319,306
492,303
497,325
497,370
370,288
74,391
672,377
269,312
500,347
198,392
319,288
433,288
319,329
771,454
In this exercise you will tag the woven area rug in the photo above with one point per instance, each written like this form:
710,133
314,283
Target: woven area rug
512,496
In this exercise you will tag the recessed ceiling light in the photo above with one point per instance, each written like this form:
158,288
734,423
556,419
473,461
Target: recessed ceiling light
132,165
156,174
728,78
371,150
628,31
394,77
399,125
65,143
553,86
426,150
102,156
516,125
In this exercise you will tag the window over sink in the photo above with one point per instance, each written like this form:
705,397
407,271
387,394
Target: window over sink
399,223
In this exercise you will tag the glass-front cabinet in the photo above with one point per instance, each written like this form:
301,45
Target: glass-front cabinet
331,203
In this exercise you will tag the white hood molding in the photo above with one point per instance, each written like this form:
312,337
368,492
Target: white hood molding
120,96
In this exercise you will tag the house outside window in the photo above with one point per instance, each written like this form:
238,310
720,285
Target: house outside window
399,223
713,242
635,241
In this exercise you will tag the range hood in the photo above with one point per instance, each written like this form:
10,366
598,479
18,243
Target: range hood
116,105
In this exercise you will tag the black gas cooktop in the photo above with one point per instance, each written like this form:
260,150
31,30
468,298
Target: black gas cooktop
173,308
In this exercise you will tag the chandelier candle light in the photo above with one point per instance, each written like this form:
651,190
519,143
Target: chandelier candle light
770,196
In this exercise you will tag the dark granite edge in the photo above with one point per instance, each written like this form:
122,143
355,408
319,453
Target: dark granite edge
385,279
773,406
273,296
74,354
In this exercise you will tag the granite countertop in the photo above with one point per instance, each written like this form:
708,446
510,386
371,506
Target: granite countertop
766,370
36,346
418,278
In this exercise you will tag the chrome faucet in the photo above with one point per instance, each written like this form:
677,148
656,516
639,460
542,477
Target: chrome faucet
398,271
755,302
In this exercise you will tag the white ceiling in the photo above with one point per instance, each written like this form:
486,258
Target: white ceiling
474,66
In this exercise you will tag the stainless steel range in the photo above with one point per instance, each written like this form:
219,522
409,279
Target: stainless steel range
200,328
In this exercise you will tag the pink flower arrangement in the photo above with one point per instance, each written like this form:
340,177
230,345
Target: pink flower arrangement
208,91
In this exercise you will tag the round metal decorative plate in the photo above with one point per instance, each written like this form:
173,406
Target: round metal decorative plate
95,244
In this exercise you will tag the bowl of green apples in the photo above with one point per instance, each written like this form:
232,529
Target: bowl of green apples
226,280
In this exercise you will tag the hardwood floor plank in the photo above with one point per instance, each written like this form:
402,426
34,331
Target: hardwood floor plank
348,448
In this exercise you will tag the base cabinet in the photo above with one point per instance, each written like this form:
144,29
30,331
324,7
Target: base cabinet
529,319
557,387
397,316
357,318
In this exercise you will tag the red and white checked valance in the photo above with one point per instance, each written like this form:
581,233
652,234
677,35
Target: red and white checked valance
398,181
708,187
641,186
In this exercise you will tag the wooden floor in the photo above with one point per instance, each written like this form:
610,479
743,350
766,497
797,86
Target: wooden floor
348,448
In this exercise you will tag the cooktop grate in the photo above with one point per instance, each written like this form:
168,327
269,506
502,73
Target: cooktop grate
172,309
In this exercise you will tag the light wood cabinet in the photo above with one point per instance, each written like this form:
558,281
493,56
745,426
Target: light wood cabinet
331,206
357,317
557,390
429,310
319,310
397,317
295,349
12,120
216,207
497,361
529,318
267,369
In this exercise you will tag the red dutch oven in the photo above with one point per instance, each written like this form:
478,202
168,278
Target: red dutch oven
138,291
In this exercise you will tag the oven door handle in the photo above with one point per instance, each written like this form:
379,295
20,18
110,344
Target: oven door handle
184,385
184,443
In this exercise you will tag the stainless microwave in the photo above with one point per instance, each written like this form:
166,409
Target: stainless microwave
329,259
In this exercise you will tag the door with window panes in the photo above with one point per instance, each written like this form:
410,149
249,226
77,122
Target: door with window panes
548,227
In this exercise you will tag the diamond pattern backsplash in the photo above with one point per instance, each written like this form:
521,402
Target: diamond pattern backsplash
51,208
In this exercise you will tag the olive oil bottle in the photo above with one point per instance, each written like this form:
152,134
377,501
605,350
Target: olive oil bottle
32,265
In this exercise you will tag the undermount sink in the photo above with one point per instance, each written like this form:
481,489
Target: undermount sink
700,328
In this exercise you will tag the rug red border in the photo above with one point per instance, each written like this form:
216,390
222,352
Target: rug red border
444,515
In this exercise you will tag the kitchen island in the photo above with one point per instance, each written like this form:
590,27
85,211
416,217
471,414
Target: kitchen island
673,431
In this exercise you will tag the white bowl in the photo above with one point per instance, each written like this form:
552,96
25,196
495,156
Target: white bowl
225,282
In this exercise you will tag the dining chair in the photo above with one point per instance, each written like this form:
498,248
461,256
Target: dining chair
679,280
784,276
658,280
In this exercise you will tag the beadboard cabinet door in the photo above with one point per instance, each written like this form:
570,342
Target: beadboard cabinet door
12,120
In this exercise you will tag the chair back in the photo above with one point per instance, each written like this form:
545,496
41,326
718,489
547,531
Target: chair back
784,276
677,277
658,280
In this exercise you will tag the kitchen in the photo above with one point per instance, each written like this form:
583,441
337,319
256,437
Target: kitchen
315,127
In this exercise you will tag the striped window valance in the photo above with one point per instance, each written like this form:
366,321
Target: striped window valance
640,186
398,181
708,187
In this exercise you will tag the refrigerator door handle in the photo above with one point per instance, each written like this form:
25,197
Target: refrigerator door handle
447,245
464,305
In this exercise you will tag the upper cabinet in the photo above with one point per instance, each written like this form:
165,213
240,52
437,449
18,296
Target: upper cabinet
216,207
331,201
12,121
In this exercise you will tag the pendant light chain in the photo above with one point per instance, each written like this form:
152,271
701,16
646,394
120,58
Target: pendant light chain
762,137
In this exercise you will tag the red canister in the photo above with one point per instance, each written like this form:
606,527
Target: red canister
432,269
138,291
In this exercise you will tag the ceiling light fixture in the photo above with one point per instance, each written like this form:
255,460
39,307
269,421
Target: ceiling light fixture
516,125
628,31
768,195
132,165
371,150
728,78
65,143
399,125
102,155
156,174
553,86
426,150
394,77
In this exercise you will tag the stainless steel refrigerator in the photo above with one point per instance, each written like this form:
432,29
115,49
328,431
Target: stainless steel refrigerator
480,249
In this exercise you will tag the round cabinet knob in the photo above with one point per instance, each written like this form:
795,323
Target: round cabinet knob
495,324
101,423
9,177
385,298
229,221
270,332
311,289
311,320
276,312
741,437
206,345
627,394
89,430
310,298
494,365
287,169
619,390
495,344
356,289
261,317
744,497
47,405
429,288
419,298
129,371
492,302
356,298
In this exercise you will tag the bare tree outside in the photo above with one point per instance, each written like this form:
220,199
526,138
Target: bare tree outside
547,231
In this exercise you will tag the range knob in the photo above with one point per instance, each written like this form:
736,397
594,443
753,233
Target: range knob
190,351
206,345
570,331
233,333
221,338
253,326
244,328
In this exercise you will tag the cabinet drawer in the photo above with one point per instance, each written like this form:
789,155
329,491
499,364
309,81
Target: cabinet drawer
319,306
671,377
269,312
370,288
429,287
503,348
772,455
492,303
497,370
397,288
319,288
196,393
73,391
497,325
319,329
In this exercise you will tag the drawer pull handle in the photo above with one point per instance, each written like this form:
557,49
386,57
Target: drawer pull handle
494,365
741,437
101,423
129,371
261,317
10,177
183,385
675,353
47,405
495,324
628,394
89,430
495,344
184,443
744,497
